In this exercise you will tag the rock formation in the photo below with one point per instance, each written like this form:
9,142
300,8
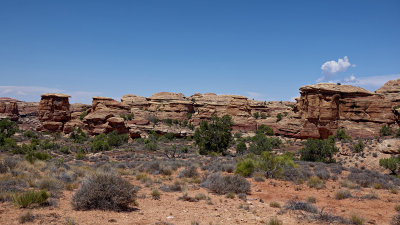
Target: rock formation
321,110
9,109
54,111
324,108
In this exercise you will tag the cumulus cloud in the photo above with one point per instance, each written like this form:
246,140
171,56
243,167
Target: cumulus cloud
331,68
370,82
32,93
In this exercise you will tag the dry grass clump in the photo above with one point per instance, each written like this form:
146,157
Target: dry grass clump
274,204
221,184
30,198
104,191
316,182
342,194
26,217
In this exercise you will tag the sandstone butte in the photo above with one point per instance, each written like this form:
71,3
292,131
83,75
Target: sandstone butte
320,111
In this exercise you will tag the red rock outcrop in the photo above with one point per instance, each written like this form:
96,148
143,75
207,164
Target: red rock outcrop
9,109
54,111
324,108
391,91
105,116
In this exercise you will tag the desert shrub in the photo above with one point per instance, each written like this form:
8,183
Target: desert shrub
319,150
128,117
151,145
341,135
65,150
357,220
221,184
46,144
175,187
83,115
392,164
200,196
100,143
342,194
300,205
104,191
78,136
7,128
274,204
114,139
395,219
322,172
263,116
359,146
156,194
29,198
189,172
264,129
274,221
169,136
272,166
279,117
31,156
26,217
368,178
256,115
245,167
316,182
214,135
241,148
30,134
261,143
311,199
385,131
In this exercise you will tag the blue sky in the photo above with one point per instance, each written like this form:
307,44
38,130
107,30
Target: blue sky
261,49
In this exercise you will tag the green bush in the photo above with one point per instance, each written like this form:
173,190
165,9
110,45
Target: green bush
260,143
31,156
128,117
114,139
100,143
256,115
30,198
30,134
169,136
245,167
7,129
241,148
264,129
214,136
359,147
272,166
83,115
319,150
78,136
385,131
279,117
392,164
263,116
341,135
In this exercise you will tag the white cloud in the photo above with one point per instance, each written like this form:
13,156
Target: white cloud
370,82
32,93
331,68
254,95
